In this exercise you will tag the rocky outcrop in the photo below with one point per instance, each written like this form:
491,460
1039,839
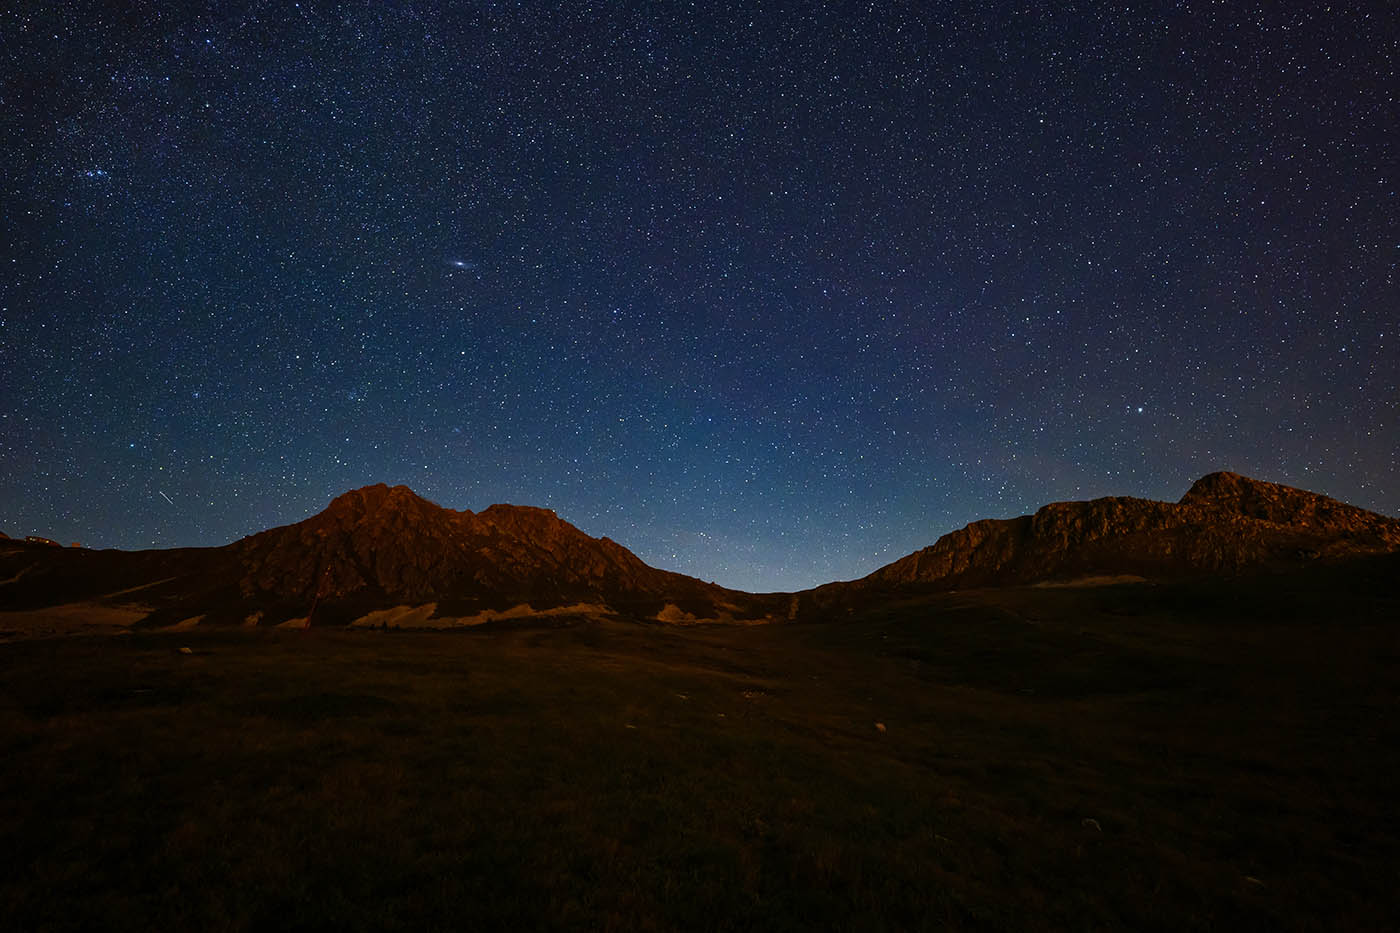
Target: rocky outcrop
1231,494
1226,523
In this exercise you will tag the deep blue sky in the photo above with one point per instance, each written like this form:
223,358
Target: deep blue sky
771,297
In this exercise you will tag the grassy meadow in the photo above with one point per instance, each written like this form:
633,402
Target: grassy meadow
1193,757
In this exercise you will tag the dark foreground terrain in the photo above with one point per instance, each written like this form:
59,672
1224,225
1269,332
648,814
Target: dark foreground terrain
1195,756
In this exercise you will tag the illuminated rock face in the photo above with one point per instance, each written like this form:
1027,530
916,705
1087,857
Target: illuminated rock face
372,549
1226,523
391,540
379,548
390,545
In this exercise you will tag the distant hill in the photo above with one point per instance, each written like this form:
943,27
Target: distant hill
1225,524
370,556
391,546
386,556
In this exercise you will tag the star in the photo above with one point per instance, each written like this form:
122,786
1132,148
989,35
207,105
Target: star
626,266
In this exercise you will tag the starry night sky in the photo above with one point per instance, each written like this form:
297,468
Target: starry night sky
770,296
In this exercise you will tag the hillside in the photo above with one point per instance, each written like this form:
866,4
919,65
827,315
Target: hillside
384,556
1225,524
379,556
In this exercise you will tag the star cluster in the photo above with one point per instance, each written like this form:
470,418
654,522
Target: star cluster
770,296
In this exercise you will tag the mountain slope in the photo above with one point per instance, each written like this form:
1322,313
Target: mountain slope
381,549
388,541
373,549
1226,523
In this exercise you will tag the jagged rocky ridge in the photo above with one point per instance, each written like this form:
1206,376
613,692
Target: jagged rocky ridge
380,548
1226,523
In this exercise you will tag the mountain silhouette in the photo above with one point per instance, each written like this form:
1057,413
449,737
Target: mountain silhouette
1225,524
384,555
389,544
372,549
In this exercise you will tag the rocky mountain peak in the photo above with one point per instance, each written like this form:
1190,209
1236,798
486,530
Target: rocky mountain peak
370,499
1233,494
388,545
1225,523
1236,493
385,547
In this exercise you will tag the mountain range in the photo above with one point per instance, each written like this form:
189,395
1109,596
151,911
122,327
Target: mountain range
383,556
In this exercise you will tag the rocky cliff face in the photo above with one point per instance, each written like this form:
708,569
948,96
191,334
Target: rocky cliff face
1225,523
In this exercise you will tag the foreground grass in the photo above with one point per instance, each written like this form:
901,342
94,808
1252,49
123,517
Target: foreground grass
1128,758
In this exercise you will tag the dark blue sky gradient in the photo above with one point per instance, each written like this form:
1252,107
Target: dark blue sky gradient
771,297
